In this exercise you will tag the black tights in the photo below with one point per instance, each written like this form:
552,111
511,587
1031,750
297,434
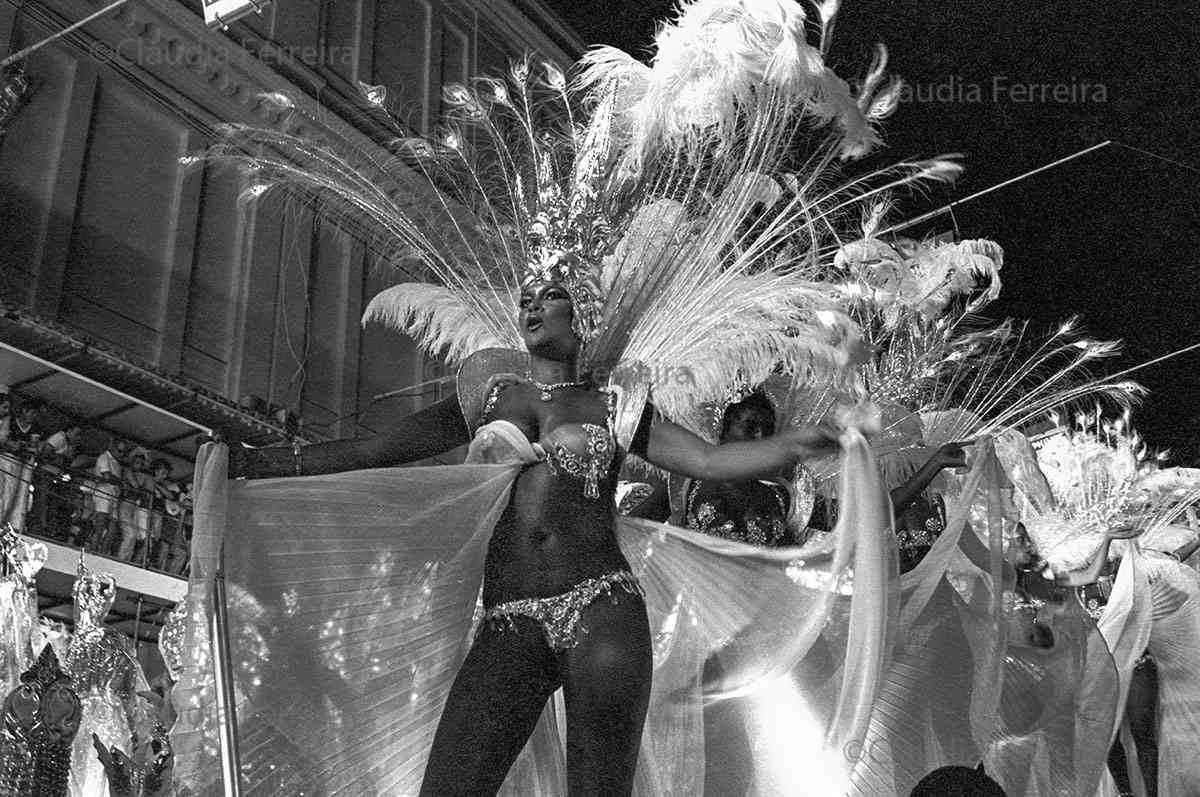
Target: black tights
504,684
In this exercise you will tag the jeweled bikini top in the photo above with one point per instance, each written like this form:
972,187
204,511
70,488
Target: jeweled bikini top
583,451
757,528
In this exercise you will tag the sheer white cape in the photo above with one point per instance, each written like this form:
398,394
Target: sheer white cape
352,599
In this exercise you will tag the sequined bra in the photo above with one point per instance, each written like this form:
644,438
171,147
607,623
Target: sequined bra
563,446
918,529
583,451
767,529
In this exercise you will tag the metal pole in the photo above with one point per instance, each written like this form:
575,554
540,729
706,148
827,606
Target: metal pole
137,625
58,35
223,670
947,208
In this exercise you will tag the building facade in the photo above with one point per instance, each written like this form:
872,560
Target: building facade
139,297
106,233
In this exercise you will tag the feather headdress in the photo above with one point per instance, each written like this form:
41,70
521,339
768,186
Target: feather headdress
921,277
668,199
1102,477
940,374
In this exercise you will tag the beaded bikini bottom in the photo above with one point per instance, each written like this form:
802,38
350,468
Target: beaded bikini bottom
559,615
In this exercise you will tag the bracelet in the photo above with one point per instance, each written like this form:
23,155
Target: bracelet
297,459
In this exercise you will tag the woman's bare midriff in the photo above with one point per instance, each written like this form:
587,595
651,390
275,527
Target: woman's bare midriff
550,538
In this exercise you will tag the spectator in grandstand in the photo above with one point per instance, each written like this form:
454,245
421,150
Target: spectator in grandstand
22,440
59,449
105,495
10,465
134,512
179,523
164,491
54,500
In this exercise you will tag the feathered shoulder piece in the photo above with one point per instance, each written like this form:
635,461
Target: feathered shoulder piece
477,375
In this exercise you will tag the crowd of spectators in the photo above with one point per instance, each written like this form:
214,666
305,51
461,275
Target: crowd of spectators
120,502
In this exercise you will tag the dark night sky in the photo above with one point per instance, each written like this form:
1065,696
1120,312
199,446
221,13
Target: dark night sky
1114,236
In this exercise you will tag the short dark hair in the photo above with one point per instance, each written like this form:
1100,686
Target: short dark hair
159,462
957,782
756,402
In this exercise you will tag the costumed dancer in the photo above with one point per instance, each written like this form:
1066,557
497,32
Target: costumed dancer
106,676
20,561
1056,682
960,656
1080,495
938,695
937,702
622,235
766,512
769,512
1142,600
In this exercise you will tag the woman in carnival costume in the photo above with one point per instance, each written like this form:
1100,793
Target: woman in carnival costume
937,695
105,673
1143,597
1081,496
621,234
760,511
971,678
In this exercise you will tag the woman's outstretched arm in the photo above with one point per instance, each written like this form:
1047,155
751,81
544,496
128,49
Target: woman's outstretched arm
674,448
950,455
434,430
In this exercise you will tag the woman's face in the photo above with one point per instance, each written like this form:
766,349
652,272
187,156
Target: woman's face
748,422
545,320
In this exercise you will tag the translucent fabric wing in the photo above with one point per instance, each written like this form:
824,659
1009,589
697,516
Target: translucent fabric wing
1175,646
1125,626
1059,697
357,593
938,698
358,590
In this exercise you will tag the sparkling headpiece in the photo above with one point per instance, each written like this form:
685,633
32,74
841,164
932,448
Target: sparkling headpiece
565,241
94,594
19,556
742,389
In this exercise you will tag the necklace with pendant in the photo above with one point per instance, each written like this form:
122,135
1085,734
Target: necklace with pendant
548,390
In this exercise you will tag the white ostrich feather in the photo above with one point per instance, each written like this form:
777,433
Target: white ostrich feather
947,270
918,276
721,64
442,321
1102,478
